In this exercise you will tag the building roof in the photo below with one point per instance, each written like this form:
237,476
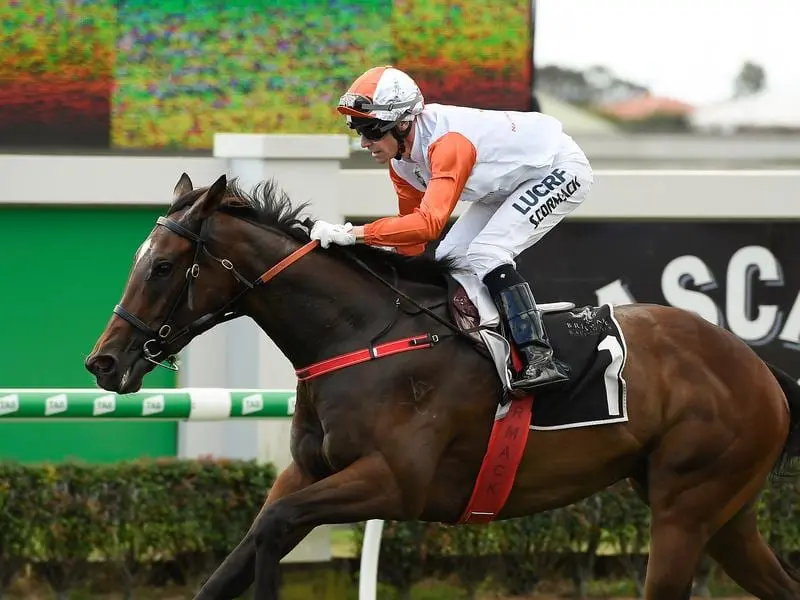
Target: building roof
646,106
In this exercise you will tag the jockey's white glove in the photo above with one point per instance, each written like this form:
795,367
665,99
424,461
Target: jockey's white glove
328,233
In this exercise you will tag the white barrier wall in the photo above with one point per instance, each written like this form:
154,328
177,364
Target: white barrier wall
82,180
628,194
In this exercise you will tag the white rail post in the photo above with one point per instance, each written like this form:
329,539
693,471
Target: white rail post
370,553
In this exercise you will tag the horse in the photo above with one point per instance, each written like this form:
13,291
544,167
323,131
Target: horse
402,436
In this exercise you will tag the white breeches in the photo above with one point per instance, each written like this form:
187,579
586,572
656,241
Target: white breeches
488,235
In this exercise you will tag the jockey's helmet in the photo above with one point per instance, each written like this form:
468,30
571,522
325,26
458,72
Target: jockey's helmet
380,98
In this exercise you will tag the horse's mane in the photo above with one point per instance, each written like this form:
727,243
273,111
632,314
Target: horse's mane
271,207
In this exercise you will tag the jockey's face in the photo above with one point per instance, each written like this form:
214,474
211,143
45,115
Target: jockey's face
384,149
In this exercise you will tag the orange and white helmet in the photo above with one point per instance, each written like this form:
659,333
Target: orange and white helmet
383,93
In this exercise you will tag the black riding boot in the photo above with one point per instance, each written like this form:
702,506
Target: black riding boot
523,320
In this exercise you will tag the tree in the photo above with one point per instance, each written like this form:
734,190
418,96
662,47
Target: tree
751,79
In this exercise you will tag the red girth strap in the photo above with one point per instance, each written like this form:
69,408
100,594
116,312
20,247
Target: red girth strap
418,342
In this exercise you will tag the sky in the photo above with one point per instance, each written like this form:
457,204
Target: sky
690,50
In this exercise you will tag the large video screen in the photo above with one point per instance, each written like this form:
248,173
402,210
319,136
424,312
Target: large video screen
168,74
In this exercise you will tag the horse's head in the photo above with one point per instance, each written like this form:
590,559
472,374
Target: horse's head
177,288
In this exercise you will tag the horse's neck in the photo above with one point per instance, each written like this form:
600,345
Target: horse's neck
318,308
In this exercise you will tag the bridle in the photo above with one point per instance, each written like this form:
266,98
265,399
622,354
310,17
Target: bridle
161,339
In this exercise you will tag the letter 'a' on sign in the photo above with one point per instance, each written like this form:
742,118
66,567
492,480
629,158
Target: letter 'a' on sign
614,293
790,334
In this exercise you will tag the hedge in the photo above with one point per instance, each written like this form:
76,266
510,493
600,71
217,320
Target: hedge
152,520
158,522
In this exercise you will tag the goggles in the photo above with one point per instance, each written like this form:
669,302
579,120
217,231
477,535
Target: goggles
373,130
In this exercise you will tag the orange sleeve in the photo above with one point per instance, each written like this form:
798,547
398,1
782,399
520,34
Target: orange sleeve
408,198
452,158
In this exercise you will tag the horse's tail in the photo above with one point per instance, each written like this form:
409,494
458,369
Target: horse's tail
791,448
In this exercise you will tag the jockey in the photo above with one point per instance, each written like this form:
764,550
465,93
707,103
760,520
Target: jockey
519,172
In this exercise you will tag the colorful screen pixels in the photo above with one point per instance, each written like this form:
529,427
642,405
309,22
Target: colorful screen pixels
167,74
56,72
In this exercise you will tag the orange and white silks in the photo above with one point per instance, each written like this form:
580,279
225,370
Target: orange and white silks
462,154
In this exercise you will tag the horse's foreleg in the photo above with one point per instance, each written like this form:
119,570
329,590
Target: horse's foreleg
364,490
237,571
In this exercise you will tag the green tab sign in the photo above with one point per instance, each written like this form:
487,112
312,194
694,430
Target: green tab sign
191,404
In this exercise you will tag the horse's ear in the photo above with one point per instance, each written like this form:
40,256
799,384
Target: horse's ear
184,186
206,204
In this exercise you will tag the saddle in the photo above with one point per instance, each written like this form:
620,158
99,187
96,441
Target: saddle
465,314
588,338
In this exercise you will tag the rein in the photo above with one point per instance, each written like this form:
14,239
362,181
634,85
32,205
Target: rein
161,339
456,330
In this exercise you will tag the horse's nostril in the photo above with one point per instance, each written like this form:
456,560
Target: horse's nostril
101,364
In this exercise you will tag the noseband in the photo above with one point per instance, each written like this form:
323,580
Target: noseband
158,341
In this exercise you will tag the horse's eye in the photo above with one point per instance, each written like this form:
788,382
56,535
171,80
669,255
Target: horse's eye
162,269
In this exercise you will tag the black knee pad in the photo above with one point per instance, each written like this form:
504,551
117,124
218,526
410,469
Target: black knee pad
501,278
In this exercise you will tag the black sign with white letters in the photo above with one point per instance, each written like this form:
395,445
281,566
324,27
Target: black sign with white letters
744,276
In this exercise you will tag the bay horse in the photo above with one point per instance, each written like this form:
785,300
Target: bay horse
403,437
